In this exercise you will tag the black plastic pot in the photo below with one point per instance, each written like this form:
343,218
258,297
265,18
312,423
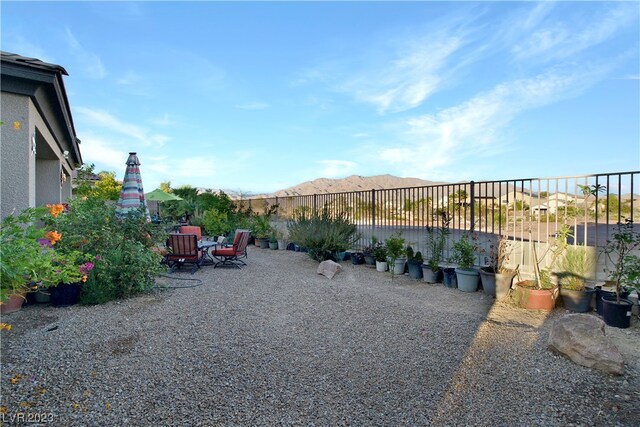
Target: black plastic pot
65,294
577,301
600,293
449,278
616,314
357,258
415,269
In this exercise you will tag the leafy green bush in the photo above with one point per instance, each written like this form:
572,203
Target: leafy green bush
464,251
125,249
395,247
322,234
216,223
260,227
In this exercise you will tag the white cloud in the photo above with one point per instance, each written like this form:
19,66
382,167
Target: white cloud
105,154
416,72
471,129
108,122
565,39
89,60
336,168
129,78
253,106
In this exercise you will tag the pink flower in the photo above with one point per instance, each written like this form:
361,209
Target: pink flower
86,268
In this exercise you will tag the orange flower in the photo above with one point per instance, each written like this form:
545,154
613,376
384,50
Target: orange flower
5,327
84,278
53,236
55,210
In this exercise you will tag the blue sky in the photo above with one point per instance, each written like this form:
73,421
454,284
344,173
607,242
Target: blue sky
256,97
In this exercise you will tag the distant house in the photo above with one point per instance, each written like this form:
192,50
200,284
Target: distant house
38,146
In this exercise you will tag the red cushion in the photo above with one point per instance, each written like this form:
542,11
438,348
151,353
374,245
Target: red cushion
225,252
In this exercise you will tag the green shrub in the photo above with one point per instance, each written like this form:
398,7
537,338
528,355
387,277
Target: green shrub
322,234
395,247
216,223
464,252
575,267
127,261
260,227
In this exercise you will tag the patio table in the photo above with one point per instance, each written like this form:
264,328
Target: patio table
205,245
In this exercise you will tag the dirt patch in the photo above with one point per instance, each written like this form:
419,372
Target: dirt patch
118,346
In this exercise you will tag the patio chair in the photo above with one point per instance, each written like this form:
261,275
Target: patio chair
191,229
231,256
183,249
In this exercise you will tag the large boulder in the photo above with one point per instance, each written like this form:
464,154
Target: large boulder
581,338
329,268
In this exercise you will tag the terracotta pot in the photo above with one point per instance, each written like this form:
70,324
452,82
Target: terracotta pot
14,303
532,298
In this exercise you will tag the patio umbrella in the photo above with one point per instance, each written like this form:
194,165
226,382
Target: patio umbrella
132,194
159,196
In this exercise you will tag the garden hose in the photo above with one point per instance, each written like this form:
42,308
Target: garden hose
199,282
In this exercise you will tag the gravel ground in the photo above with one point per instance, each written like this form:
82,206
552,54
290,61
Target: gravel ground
277,344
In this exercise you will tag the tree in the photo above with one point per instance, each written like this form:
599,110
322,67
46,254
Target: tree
102,185
83,184
107,188
166,187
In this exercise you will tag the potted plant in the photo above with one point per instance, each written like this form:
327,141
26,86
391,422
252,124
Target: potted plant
464,255
281,235
436,238
574,269
395,254
261,230
625,272
367,251
380,254
496,278
414,263
357,257
273,242
540,293
29,260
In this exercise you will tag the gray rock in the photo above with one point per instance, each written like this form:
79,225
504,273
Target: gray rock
329,268
581,338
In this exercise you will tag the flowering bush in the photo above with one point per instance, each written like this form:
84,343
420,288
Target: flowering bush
123,249
29,258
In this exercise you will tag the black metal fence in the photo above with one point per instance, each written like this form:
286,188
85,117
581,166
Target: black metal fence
528,211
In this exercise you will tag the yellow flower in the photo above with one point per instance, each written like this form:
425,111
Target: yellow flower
3,409
84,278
16,125
5,327
15,379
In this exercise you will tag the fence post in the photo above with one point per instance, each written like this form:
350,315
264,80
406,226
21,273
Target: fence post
373,209
472,197
315,208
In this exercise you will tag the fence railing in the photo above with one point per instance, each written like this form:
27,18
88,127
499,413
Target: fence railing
528,211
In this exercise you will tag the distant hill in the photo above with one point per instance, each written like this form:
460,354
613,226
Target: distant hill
351,183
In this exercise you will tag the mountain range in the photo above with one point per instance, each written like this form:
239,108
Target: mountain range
351,183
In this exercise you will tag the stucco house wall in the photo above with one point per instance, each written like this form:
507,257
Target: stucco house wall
39,149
